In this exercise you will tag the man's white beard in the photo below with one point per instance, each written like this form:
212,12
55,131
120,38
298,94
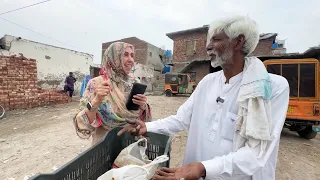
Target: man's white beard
223,59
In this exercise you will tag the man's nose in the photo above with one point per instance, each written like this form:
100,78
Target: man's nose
209,46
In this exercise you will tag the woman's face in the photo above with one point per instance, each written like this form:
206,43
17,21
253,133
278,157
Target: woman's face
127,60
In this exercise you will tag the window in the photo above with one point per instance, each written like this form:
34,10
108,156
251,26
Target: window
307,80
192,77
280,45
150,54
290,72
301,78
191,47
274,69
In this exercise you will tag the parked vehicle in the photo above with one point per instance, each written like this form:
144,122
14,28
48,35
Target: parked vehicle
178,83
303,115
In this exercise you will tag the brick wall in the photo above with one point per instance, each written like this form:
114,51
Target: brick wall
264,48
179,47
141,48
19,89
201,69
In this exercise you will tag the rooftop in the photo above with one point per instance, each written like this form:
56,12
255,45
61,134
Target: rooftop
123,40
7,39
205,29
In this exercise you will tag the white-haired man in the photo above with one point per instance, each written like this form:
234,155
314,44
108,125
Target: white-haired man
234,117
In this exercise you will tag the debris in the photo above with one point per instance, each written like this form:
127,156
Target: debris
306,144
55,168
2,140
27,177
11,178
15,128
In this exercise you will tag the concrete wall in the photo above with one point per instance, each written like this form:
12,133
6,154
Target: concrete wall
147,76
153,58
53,63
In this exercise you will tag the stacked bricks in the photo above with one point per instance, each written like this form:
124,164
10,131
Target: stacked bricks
18,85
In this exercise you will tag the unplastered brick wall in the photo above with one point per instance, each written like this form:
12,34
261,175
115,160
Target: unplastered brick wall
18,85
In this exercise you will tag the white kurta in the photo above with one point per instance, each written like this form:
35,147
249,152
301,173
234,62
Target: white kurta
211,129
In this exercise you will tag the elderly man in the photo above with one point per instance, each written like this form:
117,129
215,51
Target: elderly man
234,117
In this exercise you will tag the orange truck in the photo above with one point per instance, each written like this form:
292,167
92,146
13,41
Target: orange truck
303,115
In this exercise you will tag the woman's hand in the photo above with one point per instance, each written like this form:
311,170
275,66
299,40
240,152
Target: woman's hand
101,91
141,100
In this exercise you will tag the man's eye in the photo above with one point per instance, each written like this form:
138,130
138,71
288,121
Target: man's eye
132,55
126,54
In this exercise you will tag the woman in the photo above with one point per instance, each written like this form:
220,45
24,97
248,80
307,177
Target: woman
103,105
84,84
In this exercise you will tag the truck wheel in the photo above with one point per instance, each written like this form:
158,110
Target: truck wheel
307,133
168,93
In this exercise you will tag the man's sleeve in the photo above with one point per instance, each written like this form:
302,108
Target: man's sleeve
175,123
245,162
179,122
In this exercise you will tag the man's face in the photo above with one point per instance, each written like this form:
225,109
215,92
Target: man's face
220,49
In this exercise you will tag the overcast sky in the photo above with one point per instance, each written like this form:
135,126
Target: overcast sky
84,24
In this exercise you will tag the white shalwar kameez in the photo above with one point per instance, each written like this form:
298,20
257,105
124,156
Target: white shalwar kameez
211,129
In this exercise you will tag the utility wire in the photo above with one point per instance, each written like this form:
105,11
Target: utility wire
37,32
24,7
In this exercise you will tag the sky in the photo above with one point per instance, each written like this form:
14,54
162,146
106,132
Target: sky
83,25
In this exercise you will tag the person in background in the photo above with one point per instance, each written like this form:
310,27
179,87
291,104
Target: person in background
234,117
103,105
69,85
84,84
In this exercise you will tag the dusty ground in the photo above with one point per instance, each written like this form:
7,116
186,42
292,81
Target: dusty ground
42,139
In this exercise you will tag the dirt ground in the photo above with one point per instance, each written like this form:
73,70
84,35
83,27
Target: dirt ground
42,139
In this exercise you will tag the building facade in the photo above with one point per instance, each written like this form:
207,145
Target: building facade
53,63
190,55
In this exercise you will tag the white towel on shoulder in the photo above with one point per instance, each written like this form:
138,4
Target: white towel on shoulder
254,123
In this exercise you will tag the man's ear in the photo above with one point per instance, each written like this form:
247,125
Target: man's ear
239,42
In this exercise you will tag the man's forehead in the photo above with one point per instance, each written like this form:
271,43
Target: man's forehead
218,33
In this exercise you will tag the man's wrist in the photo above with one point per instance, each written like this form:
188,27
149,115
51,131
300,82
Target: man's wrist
202,170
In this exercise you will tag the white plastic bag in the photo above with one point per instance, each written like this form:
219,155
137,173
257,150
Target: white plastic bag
134,172
132,155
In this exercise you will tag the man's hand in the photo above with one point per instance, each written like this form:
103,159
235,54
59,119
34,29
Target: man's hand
141,100
193,171
135,127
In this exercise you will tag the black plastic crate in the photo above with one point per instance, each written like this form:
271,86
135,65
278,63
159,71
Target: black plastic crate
97,160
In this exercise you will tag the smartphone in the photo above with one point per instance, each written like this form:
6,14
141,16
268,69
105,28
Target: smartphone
137,88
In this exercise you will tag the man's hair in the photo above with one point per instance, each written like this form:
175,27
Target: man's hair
70,73
235,26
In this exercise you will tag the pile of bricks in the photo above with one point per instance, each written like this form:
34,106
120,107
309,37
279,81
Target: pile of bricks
18,85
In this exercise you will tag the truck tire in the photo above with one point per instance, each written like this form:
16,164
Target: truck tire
307,133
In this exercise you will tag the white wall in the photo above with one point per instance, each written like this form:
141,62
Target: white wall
53,63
